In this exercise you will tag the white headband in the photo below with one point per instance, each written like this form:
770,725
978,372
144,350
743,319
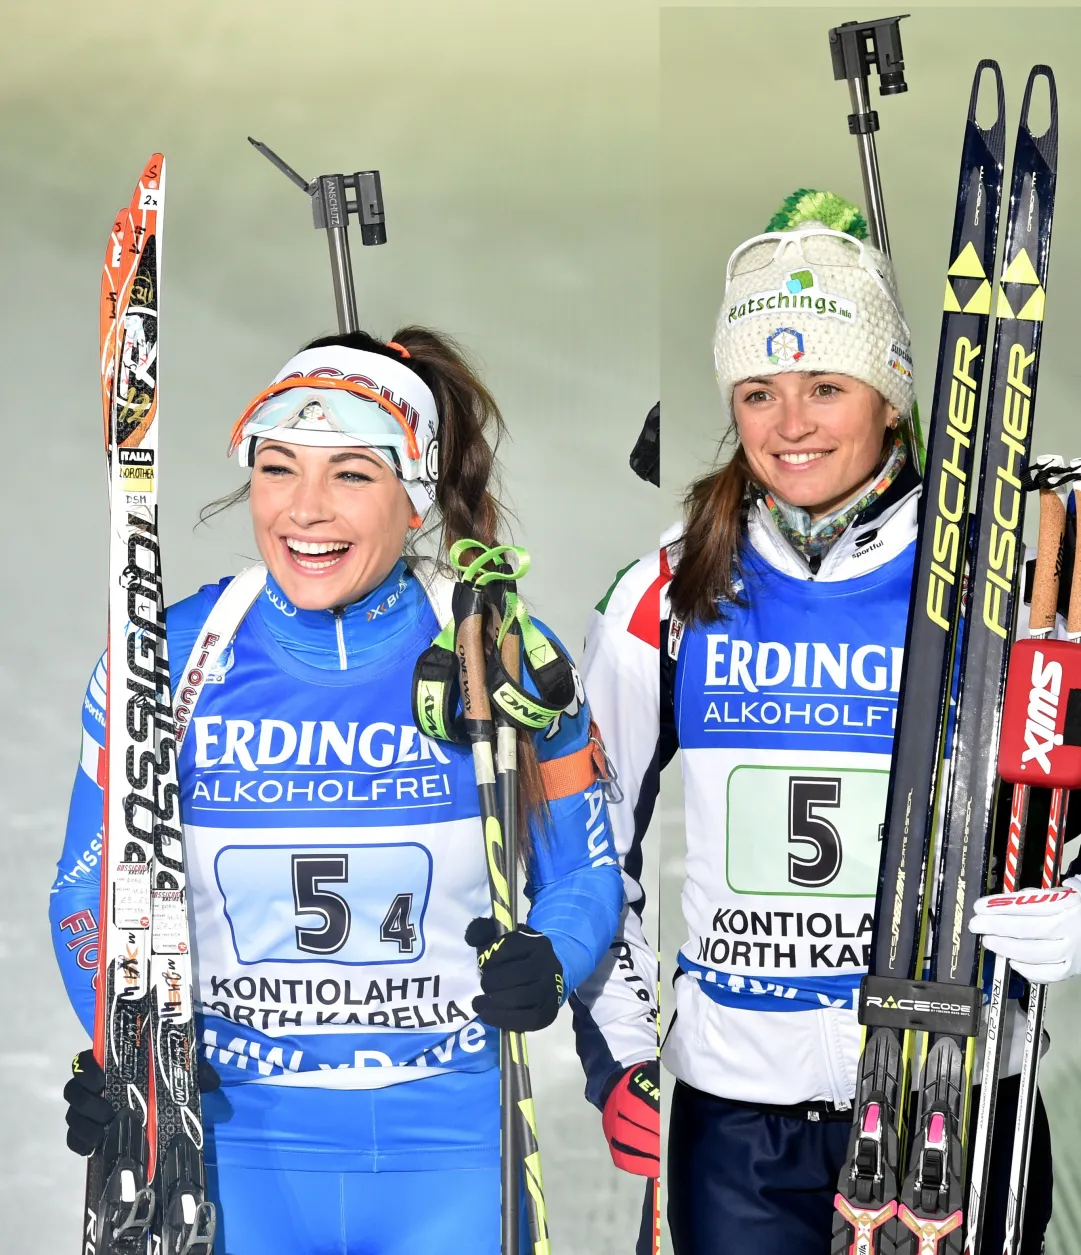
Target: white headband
388,409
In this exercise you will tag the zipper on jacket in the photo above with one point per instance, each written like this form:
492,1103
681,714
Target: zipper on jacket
339,619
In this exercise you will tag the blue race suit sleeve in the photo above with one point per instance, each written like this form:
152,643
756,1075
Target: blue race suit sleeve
75,900
74,903
574,882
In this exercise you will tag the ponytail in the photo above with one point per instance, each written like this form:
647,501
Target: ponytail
715,508
470,428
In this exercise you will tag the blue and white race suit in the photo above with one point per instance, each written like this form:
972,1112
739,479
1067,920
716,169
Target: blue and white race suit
334,859
783,710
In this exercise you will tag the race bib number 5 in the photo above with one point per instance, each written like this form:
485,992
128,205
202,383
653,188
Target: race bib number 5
357,904
811,832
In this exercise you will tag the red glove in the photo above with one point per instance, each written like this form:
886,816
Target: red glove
632,1120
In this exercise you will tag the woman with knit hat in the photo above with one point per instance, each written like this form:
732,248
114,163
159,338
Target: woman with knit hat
782,603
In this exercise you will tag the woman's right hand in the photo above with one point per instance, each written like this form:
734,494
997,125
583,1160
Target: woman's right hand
89,1113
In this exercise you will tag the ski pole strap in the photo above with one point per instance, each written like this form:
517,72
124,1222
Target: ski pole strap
923,1005
488,581
546,665
436,690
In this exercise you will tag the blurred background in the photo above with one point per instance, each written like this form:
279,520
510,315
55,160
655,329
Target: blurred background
563,185
517,146
750,112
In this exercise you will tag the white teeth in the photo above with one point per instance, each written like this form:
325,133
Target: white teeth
311,546
797,459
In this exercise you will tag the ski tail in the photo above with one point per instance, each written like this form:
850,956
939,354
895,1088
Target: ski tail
110,295
107,306
934,1186
867,1192
147,1182
120,1204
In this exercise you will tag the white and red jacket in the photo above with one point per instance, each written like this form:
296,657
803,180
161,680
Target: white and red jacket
783,710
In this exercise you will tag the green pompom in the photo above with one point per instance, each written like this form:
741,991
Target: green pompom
807,205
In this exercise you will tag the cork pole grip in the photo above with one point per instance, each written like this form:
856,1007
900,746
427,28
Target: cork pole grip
1073,616
1045,583
470,646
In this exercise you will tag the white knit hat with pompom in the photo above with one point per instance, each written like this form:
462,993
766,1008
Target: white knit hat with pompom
832,314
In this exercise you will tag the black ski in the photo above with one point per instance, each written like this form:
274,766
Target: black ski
930,1215
867,1191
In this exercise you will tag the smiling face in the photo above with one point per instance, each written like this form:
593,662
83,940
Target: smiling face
330,523
813,439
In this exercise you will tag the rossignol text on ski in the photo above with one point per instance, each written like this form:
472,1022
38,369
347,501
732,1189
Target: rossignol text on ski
147,1183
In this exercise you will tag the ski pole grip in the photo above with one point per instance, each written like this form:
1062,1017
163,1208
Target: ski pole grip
1073,615
469,604
1049,546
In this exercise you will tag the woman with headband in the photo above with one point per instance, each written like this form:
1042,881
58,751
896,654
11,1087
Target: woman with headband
336,868
768,631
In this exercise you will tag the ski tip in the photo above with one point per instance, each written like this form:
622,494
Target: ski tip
997,130
1047,142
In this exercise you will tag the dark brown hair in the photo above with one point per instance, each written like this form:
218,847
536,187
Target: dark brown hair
716,509
470,428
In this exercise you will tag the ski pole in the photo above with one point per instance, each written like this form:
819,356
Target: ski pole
331,208
1048,476
507,788
856,49
1037,998
470,603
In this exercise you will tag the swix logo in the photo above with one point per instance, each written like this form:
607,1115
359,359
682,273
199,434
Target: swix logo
1032,897
1040,735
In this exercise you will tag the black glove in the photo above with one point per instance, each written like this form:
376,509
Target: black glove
89,1114
521,977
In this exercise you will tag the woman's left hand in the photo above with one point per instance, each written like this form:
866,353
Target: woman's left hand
1038,930
520,975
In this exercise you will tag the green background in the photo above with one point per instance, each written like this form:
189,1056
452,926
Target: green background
540,206
750,112
517,146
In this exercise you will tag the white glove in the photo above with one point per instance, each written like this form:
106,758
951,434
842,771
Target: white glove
1038,930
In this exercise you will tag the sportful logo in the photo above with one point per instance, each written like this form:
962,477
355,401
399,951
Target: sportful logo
800,294
1040,735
